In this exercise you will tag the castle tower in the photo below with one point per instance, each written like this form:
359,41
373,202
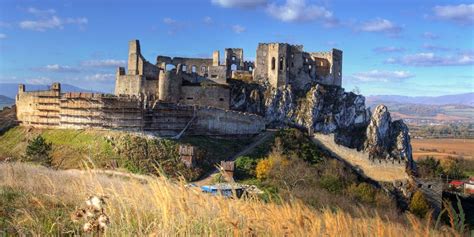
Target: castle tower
215,58
272,63
134,56
234,60
336,66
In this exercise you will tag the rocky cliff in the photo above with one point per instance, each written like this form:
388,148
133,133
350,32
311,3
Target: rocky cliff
327,109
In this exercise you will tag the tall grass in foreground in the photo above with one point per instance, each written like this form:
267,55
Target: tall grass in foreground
156,206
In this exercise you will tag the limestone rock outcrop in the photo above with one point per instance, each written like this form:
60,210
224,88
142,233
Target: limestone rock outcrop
328,109
387,139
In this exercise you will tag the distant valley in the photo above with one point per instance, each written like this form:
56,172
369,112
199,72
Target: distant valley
428,110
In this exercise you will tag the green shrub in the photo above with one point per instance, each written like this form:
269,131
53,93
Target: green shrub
245,167
418,204
331,183
38,150
363,192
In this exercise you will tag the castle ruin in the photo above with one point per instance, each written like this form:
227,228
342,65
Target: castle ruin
179,94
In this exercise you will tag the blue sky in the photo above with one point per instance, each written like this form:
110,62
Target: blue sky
404,47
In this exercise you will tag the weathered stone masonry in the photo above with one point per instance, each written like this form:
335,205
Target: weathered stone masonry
175,92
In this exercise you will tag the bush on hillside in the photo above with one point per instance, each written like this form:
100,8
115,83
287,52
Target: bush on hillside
263,168
38,150
245,167
429,167
363,192
418,204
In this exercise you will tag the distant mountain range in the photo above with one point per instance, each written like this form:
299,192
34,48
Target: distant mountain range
457,108
11,89
6,101
457,99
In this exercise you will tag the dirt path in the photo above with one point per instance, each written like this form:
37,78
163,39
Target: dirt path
259,139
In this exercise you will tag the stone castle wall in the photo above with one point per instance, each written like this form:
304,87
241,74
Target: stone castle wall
379,170
280,64
75,110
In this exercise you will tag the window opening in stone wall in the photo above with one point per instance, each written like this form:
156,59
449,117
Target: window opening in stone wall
233,58
273,63
233,67
250,69
170,67
280,66
221,99
203,69
213,76
185,68
189,98
193,68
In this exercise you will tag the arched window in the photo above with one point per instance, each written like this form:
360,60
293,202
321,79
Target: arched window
170,67
185,68
273,63
233,67
250,69
193,68
280,65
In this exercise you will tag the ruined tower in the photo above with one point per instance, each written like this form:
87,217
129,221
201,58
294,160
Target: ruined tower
281,64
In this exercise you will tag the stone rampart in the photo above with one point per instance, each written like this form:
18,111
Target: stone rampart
77,110
379,170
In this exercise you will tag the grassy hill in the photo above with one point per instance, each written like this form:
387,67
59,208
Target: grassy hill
102,148
39,201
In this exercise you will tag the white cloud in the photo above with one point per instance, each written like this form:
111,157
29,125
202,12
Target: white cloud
462,14
3,36
103,63
430,59
382,76
57,68
429,35
432,47
388,49
39,81
240,3
298,11
47,20
40,12
380,25
238,29
101,77
52,22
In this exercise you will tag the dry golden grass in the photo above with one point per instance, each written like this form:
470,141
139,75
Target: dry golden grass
442,148
139,206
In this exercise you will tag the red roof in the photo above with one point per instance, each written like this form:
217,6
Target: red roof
456,183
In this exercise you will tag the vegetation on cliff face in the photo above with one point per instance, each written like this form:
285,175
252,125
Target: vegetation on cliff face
292,167
39,201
